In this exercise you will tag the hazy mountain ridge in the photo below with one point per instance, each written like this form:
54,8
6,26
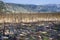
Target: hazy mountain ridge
24,8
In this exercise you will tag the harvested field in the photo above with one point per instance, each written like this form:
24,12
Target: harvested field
31,17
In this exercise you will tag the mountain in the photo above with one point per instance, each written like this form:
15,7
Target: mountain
25,8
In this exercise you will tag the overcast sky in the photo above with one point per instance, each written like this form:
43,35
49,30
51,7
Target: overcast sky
37,2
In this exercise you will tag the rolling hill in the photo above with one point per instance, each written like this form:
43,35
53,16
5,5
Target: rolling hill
30,8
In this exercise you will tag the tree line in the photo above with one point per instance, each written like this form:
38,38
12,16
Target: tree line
2,6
